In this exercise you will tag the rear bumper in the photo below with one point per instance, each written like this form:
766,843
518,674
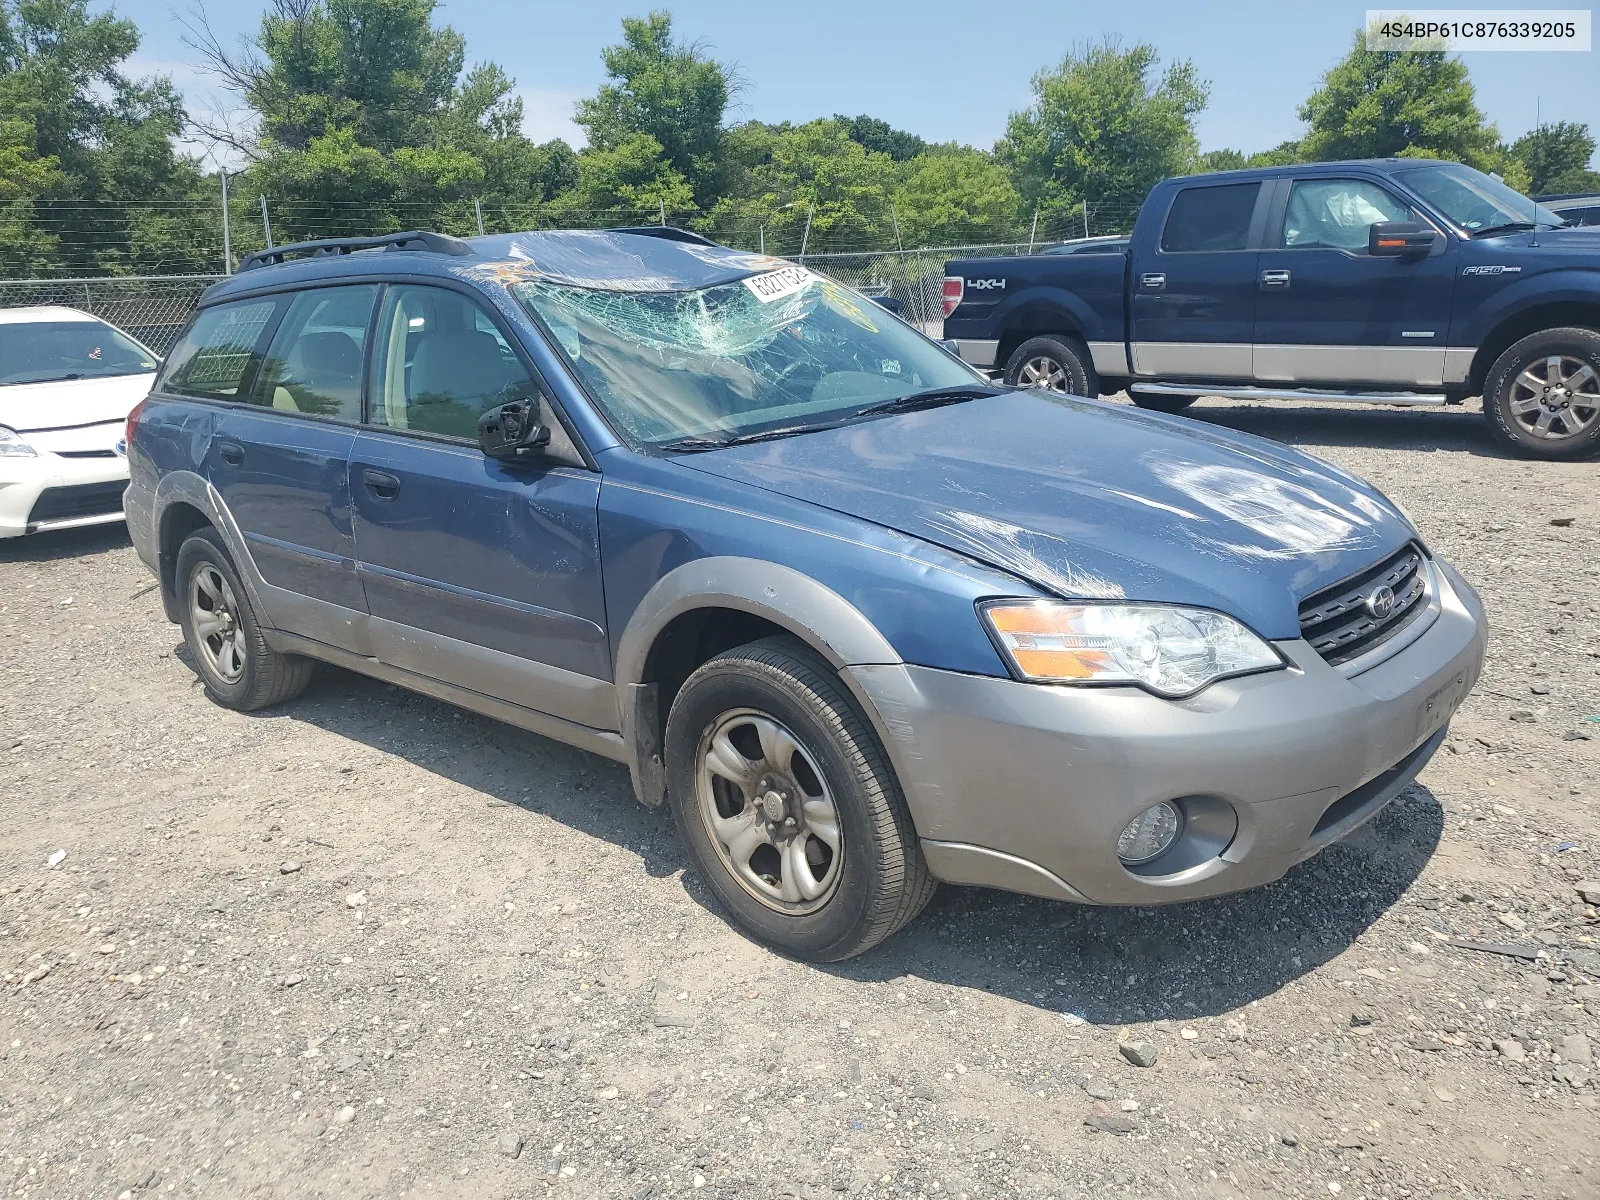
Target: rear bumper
49,491
1026,787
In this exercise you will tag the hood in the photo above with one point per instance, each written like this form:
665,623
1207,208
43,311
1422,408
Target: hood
1092,500
68,403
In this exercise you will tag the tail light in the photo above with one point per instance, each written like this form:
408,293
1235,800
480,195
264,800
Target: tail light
132,424
953,287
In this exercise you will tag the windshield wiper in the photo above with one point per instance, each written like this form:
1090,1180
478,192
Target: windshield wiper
1513,227
931,398
928,398
697,445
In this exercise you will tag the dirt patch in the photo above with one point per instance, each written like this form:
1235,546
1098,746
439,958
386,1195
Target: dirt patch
487,975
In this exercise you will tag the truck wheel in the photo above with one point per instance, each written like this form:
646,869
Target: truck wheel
787,805
238,668
1542,398
1161,403
1061,364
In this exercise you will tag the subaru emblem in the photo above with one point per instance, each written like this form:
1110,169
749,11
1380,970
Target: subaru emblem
1380,601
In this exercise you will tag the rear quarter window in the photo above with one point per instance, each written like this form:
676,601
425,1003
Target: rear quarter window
1210,218
213,356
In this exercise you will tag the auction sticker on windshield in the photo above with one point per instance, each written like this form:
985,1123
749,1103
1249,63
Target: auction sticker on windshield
775,285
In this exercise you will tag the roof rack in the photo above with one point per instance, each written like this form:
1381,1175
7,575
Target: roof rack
416,239
669,233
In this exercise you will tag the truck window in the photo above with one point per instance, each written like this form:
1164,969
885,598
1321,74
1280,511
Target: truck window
1210,218
1336,213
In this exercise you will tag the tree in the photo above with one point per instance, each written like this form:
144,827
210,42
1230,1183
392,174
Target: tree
953,194
365,119
1556,158
670,91
1379,103
1101,131
882,137
623,183
74,127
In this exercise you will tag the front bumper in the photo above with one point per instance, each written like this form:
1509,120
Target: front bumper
50,491
1026,787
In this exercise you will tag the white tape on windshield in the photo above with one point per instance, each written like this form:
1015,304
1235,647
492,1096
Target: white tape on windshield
775,285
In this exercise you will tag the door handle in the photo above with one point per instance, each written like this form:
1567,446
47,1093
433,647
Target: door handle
1274,279
231,453
381,484
1153,280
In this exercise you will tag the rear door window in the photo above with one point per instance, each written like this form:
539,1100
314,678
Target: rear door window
1210,218
213,357
314,363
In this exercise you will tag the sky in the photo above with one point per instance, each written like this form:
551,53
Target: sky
942,70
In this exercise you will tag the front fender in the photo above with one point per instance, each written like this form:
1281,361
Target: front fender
1565,285
814,613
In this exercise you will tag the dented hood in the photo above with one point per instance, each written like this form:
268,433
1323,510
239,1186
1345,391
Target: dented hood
1092,500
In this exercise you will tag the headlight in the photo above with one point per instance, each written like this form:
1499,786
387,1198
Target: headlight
12,446
1169,650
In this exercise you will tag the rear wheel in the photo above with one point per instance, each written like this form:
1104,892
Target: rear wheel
1542,398
1055,362
787,805
238,668
1161,403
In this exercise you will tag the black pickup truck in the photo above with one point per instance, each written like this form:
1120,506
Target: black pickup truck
1394,281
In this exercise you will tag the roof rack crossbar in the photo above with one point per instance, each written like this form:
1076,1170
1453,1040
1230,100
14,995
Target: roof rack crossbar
415,239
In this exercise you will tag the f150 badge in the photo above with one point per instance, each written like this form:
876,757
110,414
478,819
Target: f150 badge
1490,269
984,285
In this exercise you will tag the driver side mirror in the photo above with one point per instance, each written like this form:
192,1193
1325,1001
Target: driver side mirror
512,432
1400,239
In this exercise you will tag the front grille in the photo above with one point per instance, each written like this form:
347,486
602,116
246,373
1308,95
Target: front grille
79,500
1340,623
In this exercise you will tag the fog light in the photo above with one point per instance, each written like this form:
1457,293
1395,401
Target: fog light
1150,834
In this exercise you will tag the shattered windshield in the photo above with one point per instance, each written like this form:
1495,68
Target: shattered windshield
781,349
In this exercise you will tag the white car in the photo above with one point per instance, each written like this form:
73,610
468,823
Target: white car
67,384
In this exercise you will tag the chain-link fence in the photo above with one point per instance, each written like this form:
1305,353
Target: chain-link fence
152,308
914,277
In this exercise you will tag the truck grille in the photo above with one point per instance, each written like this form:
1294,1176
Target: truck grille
1348,619
80,500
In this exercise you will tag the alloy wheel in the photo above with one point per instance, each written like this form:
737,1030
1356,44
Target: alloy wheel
1556,397
1043,372
769,813
214,613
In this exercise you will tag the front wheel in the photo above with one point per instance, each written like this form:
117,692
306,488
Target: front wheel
1053,362
1542,398
787,805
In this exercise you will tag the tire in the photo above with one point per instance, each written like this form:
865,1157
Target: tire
1555,423
234,662
1163,404
1053,361
821,769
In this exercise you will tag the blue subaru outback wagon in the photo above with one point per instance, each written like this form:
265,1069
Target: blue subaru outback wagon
865,621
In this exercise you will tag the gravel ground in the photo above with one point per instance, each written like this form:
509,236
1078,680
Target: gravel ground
366,944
